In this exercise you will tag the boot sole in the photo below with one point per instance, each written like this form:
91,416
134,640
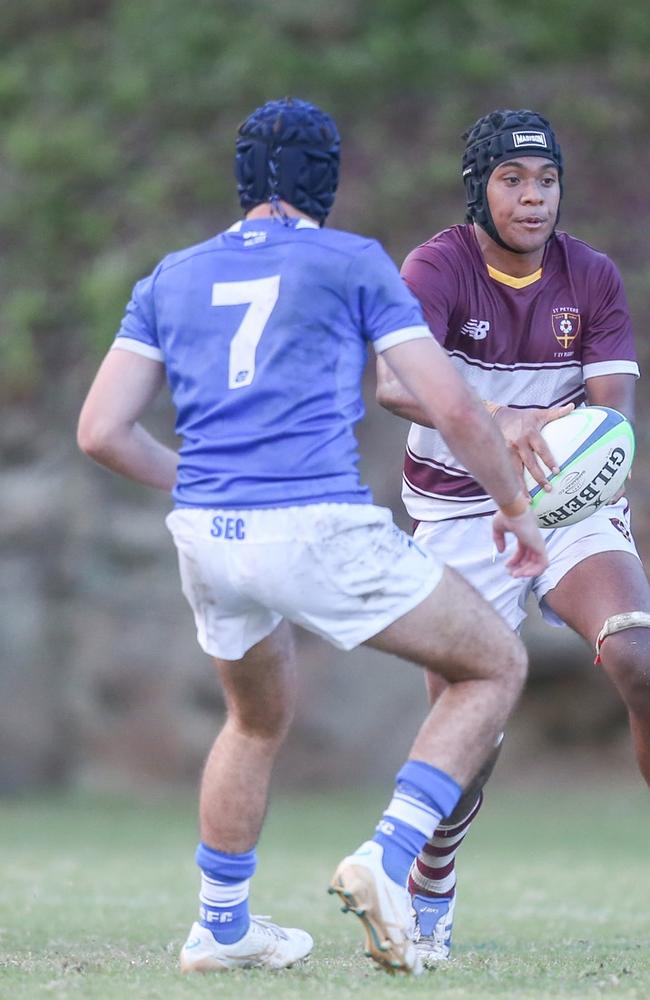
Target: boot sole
355,887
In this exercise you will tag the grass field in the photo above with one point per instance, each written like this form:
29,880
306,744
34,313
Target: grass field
96,897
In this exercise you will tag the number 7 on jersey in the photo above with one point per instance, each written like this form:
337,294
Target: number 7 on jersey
260,295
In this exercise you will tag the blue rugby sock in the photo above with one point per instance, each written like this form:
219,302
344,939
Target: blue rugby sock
423,796
224,892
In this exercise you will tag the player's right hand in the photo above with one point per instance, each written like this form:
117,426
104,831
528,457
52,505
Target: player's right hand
521,429
529,558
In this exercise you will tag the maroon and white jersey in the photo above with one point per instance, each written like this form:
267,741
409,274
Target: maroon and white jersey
522,342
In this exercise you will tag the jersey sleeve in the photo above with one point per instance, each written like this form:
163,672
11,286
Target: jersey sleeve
137,332
435,286
383,308
608,342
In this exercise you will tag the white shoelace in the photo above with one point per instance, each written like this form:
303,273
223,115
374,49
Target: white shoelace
266,925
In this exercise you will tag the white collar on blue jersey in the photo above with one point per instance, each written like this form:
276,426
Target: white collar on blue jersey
301,223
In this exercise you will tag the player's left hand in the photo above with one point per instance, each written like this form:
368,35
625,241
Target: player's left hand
521,429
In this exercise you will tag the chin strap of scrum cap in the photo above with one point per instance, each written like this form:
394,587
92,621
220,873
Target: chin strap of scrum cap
618,623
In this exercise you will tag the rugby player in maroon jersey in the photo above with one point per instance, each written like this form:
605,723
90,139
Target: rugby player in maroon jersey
537,322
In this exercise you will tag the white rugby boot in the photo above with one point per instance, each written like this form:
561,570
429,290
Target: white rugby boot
263,945
383,906
434,921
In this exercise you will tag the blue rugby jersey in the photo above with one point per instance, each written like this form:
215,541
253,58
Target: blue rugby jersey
263,332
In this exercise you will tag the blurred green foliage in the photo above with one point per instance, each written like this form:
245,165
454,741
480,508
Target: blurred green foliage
119,120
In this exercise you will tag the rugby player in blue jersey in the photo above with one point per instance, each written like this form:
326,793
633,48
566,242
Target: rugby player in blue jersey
261,333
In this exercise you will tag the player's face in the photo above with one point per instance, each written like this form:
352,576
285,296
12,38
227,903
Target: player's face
524,195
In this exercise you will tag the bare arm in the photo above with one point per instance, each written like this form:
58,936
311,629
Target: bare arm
615,391
449,404
520,428
393,396
453,407
108,430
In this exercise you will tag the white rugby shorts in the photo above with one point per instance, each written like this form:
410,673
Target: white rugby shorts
343,571
466,545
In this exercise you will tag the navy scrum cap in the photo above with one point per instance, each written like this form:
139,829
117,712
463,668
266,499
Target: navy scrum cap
493,139
290,150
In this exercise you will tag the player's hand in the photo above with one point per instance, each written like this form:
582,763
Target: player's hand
521,429
529,558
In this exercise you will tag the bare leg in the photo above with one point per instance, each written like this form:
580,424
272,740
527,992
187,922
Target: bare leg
473,790
457,635
260,701
447,634
435,686
457,736
432,878
606,584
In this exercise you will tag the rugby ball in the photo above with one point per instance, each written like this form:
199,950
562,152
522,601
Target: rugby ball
594,448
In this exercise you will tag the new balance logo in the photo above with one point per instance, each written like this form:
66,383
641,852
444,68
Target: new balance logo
477,329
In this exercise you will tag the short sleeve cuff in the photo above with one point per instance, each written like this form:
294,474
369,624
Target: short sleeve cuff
400,337
610,368
137,347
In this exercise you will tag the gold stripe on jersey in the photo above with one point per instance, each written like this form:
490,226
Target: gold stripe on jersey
508,279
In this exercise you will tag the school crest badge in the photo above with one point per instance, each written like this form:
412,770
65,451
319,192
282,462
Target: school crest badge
566,326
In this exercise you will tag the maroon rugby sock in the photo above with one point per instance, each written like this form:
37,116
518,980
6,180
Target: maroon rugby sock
433,873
